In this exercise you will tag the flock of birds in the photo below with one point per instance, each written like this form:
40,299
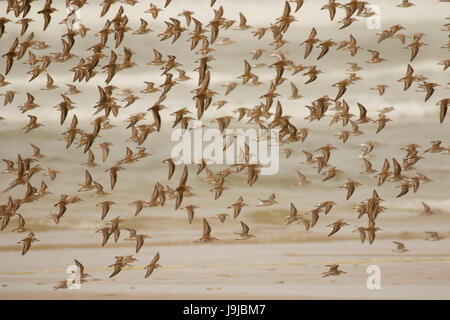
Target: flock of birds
205,35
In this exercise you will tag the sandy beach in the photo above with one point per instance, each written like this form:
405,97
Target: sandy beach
282,261
280,264
293,271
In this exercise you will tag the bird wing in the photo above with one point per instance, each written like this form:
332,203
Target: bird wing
190,212
397,167
206,228
117,269
425,206
80,266
386,165
362,110
399,245
245,228
293,210
243,20
150,269
362,235
184,176
139,244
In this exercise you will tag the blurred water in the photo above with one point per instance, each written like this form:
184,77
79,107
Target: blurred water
414,121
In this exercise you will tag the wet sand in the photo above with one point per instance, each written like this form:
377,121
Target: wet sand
269,267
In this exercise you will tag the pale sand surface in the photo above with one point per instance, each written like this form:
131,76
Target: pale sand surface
236,270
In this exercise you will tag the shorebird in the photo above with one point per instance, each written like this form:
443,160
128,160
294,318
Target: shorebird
9,166
182,187
50,84
354,67
150,87
314,216
245,232
118,265
298,4
400,247
152,265
368,147
26,242
3,82
20,225
237,206
362,233
80,269
32,124
309,43
368,167
267,202
327,205
325,45
405,4
443,105
408,78
433,236
342,86
445,63
229,87
334,270
312,73
221,216
247,75
426,210
331,7
336,226
435,147
350,185
51,173
294,94
384,172
330,173
371,230
24,22
381,88
414,47
88,182
91,160
243,23
36,153
105,205
143,29
171,164
404,189
113,174
105,234
61,285
46,12
397,173
115,229
293,215
190,212
302,178
206,236
375,57
9,95
287,151
139,238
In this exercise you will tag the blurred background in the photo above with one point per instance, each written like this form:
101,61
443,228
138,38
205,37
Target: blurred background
413,122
